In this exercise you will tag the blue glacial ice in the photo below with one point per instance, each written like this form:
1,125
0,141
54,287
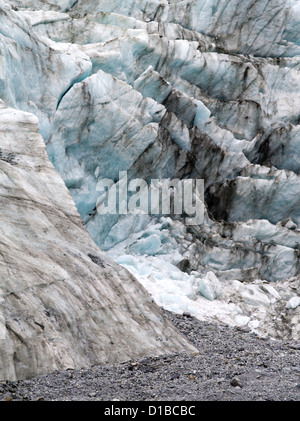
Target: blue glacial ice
165,90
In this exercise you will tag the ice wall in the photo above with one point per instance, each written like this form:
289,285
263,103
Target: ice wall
160,89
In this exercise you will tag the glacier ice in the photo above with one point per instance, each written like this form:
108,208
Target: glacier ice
63,303
166,90
210,287
293,303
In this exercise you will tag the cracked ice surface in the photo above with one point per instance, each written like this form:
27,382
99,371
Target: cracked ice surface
175,90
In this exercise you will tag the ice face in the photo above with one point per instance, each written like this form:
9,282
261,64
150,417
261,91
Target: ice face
29,69
51,269
165,90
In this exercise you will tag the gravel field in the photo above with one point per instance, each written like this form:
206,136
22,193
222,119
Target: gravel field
232,365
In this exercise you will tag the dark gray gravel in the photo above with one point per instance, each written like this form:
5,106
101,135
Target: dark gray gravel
232,364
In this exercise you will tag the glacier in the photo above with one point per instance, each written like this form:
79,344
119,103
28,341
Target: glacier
175,90
63,303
